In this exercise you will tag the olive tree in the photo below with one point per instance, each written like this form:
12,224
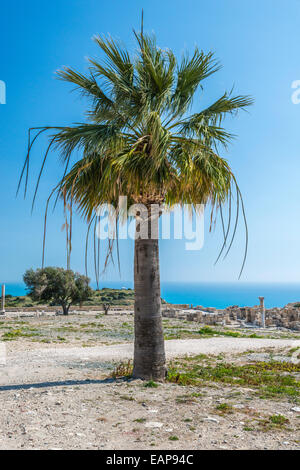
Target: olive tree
57,285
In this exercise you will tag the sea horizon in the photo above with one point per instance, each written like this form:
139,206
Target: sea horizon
208,294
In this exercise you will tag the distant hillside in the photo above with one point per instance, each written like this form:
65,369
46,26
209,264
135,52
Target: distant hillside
99,297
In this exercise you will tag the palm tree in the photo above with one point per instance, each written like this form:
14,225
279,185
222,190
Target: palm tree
141,142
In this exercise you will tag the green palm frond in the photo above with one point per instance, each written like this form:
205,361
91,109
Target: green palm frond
87,85
98,138
190,73
226,105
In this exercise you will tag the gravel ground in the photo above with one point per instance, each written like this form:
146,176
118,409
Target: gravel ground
61,397
127,416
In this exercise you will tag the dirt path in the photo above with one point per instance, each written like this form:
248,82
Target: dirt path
173,348
41,364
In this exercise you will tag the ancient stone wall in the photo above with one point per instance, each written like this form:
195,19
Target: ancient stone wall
286,317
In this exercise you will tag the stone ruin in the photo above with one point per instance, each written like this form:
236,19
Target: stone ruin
287,317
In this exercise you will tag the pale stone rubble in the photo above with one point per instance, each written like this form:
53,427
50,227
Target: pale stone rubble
286,317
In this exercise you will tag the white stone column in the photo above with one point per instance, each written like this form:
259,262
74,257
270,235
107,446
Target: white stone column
2,311
262,311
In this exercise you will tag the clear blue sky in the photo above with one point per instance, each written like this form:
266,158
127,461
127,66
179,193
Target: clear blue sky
258,45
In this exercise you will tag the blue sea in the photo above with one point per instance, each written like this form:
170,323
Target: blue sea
219,295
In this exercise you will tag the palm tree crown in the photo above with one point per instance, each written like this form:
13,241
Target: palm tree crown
139,140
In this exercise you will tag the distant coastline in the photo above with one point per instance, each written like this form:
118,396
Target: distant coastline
219,295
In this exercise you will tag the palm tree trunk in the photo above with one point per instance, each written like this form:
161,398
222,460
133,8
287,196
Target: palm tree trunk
149,350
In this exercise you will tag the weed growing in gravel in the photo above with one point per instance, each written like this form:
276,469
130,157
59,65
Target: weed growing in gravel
151,384
292,351
274,422
278,419
177,332
61,339
225,408
185,399
124,369
127,397
14,334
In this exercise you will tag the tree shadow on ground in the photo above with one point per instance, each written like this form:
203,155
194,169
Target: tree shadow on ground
63,383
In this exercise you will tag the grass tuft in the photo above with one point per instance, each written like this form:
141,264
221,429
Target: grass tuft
124,369
150,384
